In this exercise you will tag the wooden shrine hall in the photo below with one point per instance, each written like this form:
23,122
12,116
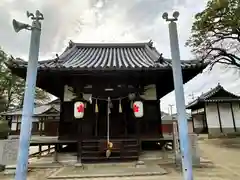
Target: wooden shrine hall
110,95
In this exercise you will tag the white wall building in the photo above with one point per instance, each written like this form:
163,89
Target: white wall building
45,119
216,112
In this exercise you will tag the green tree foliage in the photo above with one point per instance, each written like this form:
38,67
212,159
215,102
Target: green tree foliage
216,32
12,87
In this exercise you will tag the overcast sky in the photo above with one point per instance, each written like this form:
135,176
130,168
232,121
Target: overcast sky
108,21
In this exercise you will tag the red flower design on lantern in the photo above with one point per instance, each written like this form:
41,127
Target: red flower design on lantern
80,108
135,108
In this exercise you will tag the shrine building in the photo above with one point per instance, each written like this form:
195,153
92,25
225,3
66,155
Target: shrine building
109,94
216,112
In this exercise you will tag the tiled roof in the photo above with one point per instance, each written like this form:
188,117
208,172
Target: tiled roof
38,110
53,102
206,97
108,56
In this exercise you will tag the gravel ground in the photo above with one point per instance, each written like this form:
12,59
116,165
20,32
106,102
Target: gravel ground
224,153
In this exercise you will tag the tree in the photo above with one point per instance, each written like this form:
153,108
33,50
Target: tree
12,87
216,33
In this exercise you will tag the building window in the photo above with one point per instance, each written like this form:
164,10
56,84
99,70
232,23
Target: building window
35,127
41,126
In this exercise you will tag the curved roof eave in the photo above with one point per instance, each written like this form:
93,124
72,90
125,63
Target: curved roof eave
108,56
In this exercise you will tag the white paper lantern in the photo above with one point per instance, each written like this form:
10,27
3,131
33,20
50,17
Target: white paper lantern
79,110
138,109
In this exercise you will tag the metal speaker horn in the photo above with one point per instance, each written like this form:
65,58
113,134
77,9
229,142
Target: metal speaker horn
18,26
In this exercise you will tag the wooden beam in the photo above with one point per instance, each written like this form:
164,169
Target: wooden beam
192,122
233,118
205,116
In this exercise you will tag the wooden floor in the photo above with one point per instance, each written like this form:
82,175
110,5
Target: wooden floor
46,140
52,140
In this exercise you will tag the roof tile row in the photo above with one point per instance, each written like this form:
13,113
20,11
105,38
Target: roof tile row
109,56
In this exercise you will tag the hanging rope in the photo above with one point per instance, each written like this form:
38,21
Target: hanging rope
108,114
109,144
114,99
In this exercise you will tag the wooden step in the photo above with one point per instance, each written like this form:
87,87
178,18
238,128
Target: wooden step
106,160
104,140
114,151
113,157
123,149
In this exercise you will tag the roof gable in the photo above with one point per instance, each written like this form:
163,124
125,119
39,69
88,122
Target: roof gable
217,92
95,56
52,110
54,102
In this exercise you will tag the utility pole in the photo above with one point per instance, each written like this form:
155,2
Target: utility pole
179,95
29,94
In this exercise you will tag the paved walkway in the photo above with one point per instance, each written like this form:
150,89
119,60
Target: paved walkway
223,153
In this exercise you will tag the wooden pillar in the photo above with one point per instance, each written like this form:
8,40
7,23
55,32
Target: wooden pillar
56,149
40,124
96,121
158,90
40,151
61,120
160,117
233,118
205,117
49,149
193,126
219,118
9,119
17,125
138,134
125,121
79,143
138,125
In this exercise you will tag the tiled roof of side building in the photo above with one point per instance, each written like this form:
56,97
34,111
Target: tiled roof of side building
36,111
109,56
